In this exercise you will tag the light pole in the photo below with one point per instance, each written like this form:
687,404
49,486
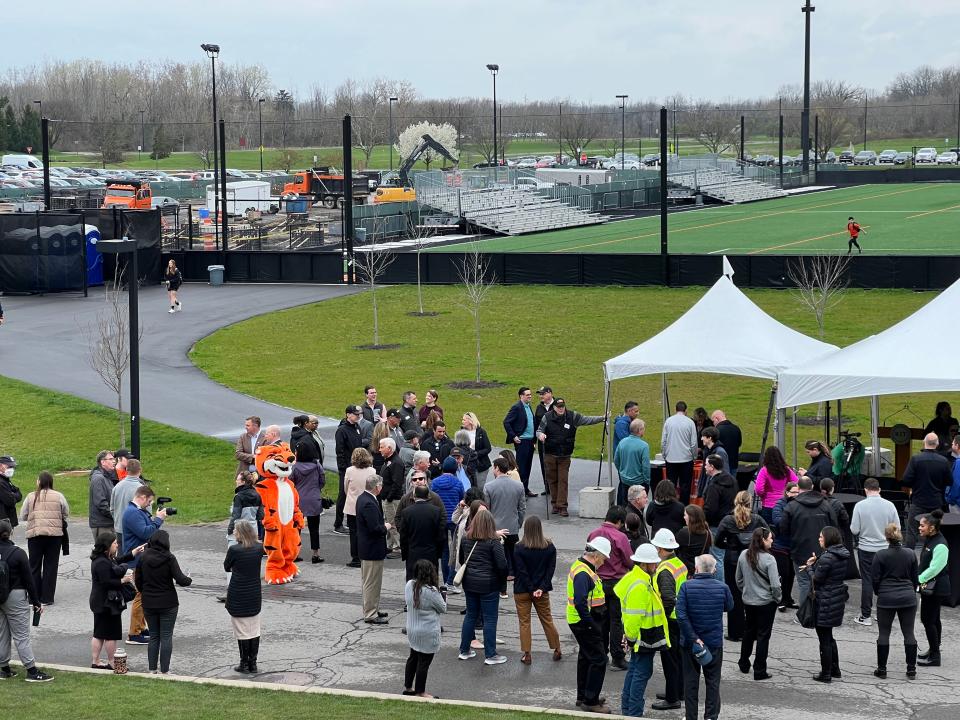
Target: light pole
40,109
807,11
494,69
390,140
560,134
140,149
260,115
213,51
623,130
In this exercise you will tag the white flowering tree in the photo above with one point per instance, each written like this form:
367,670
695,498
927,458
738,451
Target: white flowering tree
445,134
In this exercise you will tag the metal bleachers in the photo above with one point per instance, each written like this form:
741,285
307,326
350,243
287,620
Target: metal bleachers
723,185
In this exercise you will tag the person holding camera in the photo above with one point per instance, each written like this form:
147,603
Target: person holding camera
155,576
138,527
15,609
109,574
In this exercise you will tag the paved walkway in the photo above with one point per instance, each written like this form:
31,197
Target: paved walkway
313,634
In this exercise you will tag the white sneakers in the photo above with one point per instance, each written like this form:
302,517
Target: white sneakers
172,309
467,655
861,620
495,660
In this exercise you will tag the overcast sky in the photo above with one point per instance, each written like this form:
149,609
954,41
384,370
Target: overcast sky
586,50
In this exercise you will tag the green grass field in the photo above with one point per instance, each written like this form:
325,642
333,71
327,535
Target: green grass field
898,219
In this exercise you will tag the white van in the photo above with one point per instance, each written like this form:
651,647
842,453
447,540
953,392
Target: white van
24,162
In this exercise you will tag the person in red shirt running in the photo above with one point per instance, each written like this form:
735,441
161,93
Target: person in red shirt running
853,227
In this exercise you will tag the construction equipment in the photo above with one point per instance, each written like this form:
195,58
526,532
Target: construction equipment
325,184
130,194
399,188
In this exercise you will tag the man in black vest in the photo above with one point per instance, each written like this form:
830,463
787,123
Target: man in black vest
558,434
543,407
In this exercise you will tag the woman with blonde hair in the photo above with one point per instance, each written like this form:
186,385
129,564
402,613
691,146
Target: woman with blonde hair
895,581
480,442
734,534
244,598
173,280
354,485
45,510
486,571
380,431
534,562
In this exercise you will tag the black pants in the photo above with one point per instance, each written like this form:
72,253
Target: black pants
313,525
787,573
691,683
161,624
44,551
758,627
672,662
907,617
865,559
415,675
682,476
735,618
829,657
341,500
612,625
591,662
352,527
930,618
850,243
524,454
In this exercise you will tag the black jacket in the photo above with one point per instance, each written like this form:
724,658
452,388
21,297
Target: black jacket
561,430
155,577
691,546
487,569
106,574
829,572
481,444
731,439
894,577
9,497
820,468
538,414
719,497
515,423
19,565
409,419
243,594
174,280
533,568
371,532
393,478
305,445
929,474
942,587
802,521
348,438
668,516
438,449
736,539
243,497
422,532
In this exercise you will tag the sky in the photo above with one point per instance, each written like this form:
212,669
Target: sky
589,50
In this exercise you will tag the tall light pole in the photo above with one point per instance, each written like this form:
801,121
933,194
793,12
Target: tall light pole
140,149
390,139
213,51
807,11
40,109
494,69
260,103
623,130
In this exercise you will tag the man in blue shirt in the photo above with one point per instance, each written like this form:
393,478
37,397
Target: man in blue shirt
138,526
632,458
621,426
520,427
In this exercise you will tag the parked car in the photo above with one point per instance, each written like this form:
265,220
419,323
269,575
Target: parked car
945,158
239,174
926,155
829,157
528,163
846,157
865,157
547,162
529,183
903,158
886,157
163,201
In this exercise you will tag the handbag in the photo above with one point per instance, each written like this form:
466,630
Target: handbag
458,578
929,587
807,612
128,592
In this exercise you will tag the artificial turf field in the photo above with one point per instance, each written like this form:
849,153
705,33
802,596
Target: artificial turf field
898,219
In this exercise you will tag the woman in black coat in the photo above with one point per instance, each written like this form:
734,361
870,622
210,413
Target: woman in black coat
829,572
733,535
244,598
486,572
155,577
666,510
821,463
895,582
108,573
309,478
534,562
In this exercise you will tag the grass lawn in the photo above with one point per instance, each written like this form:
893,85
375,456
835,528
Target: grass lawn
46,430
80,696
531,335
913,219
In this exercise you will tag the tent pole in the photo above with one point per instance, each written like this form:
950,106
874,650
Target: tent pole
826,423
794,436
607,432
839,417
874,432
766,425
665,399
780,429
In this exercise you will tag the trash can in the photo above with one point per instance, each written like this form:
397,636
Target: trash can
296,206
216,274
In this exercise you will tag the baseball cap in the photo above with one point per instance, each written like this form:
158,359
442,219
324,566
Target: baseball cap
410,434
559,402
449,465
8,461
601,545
353,410
544,389
123,453
456,452
393,412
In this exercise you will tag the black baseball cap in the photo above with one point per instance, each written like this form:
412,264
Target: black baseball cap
123,453
8,461
393,412
559,402
353,410
544,389
410,434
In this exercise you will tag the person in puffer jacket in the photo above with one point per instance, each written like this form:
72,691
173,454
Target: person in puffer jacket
829,572
450,489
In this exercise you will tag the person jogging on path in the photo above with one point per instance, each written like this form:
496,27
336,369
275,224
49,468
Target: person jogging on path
853,227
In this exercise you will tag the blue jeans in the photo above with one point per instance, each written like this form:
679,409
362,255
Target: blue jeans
635,683
487,607
718,553
447,570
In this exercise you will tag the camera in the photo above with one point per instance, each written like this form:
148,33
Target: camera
161,501
850,442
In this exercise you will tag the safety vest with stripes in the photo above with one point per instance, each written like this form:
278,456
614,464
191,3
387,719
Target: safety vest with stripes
644,621
594,599
678,570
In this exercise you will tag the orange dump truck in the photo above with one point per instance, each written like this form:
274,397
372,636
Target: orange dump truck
130,194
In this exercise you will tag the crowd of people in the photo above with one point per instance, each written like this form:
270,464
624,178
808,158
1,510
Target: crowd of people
657,576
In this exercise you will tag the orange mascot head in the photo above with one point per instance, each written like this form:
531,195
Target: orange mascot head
282,519
274,461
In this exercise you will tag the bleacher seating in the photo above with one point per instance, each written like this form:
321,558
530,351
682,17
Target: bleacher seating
725,186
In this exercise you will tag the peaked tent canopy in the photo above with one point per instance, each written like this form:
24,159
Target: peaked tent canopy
915,355
748,342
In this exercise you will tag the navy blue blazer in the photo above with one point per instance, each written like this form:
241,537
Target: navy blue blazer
516,422
371,532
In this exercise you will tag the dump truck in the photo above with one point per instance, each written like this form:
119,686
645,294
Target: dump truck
130,194
326,185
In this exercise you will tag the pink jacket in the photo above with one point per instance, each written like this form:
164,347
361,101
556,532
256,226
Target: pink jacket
770,489
619,562
354,483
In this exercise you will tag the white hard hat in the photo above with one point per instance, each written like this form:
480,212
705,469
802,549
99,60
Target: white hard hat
665,539
646,553
601,545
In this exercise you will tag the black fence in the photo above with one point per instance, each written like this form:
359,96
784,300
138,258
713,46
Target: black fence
897,175
756,271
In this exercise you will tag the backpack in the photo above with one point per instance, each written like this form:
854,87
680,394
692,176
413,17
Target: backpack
4,579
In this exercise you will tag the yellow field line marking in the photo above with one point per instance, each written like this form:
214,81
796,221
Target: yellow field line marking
746,219
800,242
932,212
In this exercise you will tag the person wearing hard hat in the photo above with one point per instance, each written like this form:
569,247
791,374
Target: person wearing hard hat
644,626
585,607
670,574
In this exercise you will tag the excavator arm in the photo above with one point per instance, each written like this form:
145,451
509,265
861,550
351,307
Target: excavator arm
426,143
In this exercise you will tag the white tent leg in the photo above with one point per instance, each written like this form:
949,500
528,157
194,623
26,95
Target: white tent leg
875,432
794,436
606,410
665,396
779,426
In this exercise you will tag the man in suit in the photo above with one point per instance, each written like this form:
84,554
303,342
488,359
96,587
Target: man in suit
521,427
543,407
348,438
372,549
248,443
423,530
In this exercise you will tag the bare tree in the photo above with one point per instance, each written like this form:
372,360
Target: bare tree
418,233
821,281
831,100
474,273
716,129
371,263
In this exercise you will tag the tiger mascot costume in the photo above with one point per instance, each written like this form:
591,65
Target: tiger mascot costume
282,519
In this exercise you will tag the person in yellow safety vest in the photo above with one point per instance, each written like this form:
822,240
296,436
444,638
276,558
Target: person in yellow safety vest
671,573
585,608
644,626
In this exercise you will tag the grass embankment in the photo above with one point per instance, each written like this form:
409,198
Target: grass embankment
558,336
81,696
46,430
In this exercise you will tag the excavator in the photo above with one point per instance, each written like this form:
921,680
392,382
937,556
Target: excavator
399,188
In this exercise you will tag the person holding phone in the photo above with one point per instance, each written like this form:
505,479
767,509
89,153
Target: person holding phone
108,572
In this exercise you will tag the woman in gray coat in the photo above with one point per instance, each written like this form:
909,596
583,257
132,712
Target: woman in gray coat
425,604
759,583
